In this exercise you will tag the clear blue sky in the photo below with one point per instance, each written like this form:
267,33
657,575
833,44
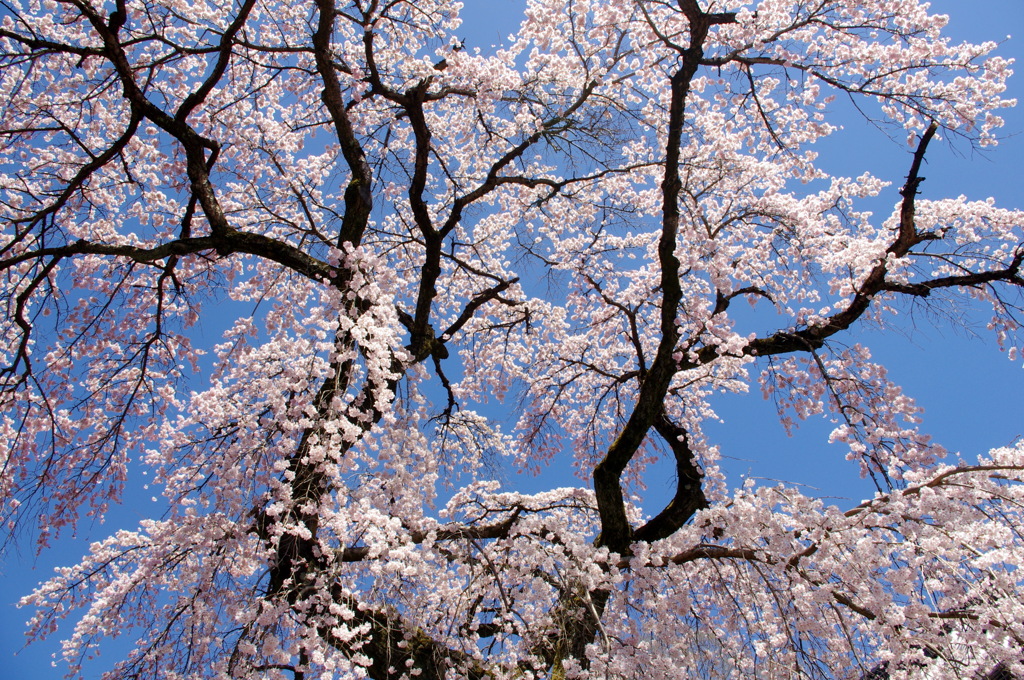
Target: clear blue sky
972,394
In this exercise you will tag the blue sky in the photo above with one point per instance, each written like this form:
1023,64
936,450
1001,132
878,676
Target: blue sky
970,391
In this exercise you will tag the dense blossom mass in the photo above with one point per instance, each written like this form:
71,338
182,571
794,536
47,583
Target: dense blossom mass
429,265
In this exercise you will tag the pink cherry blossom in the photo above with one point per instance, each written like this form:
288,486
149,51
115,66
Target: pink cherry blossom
399,238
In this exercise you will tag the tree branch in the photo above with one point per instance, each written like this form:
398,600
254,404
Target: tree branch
689,496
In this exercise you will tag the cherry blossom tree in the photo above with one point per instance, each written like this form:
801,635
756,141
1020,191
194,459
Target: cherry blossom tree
403,238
